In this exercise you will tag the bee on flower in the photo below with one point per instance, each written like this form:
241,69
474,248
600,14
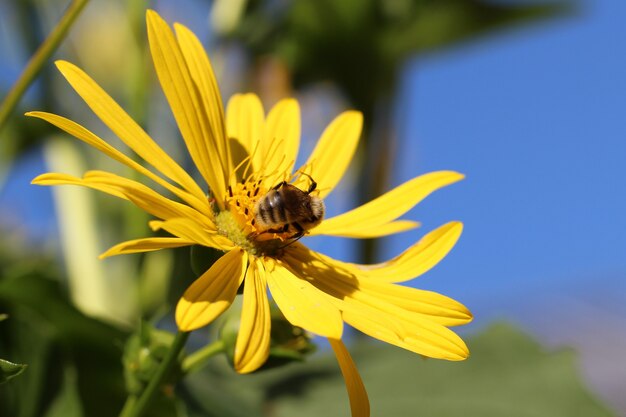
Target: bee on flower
260,205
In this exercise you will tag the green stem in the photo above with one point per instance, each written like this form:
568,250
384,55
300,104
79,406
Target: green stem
39,59
129,405
197,359
140,405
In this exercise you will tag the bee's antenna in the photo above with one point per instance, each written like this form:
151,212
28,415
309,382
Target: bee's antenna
313,185
248,160
270,154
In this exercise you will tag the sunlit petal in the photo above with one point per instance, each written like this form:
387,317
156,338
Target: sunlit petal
148,244
303,304
436,307
142,196
333,152
333,278
365,231
417,259
281,141
125,127
202,74
245,121
189,229
212,293
414,334
389,206
359,402
91,139
411,263
184,101
253,340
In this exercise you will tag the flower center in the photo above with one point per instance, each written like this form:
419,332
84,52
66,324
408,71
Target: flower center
238,222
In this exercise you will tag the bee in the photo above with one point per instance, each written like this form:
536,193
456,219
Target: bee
288,209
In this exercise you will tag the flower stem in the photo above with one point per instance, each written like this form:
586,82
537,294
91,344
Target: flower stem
197,359
39,59
136,407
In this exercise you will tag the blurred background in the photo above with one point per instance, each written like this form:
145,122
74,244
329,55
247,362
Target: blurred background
524,97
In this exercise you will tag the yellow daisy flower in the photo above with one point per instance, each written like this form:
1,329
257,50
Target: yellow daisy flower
247,160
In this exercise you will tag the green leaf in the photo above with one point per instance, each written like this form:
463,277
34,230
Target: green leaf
3,317
10,370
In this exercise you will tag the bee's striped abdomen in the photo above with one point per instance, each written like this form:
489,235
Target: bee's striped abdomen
272,210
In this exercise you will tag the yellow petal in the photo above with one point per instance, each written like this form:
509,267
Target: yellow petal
202,74
417,259
91,139
340,282
359,403
366,232
434,306
190,230
212,293
411,263
245,123
419,336
184,101
145,245
389,206
253,340
400,327
279,147
301,303
371,309
333,152
143,197
125,127
53,178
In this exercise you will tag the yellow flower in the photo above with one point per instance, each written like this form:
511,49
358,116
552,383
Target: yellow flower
244,155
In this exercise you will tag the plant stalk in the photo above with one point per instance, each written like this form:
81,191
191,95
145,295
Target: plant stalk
198,359
38,60
138,406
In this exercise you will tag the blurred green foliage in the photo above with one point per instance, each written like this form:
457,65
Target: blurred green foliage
509,374
361,45
143,351
69,356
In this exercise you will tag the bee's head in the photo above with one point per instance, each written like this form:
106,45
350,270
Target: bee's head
316,213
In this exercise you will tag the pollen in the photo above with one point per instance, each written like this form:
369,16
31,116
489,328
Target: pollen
228,225
237,221
240,202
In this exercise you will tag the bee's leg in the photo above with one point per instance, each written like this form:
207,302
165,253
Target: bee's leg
299,231
283,229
